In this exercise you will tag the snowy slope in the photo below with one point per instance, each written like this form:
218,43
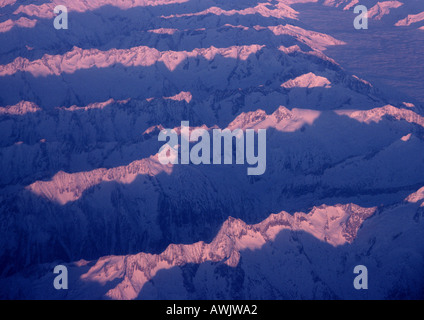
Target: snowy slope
399,13
286,256
80,180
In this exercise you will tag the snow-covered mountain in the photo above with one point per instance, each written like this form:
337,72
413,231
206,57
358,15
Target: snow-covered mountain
405,13
81,184
386,52
300,256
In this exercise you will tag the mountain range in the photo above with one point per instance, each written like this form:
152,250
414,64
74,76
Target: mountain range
81,184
